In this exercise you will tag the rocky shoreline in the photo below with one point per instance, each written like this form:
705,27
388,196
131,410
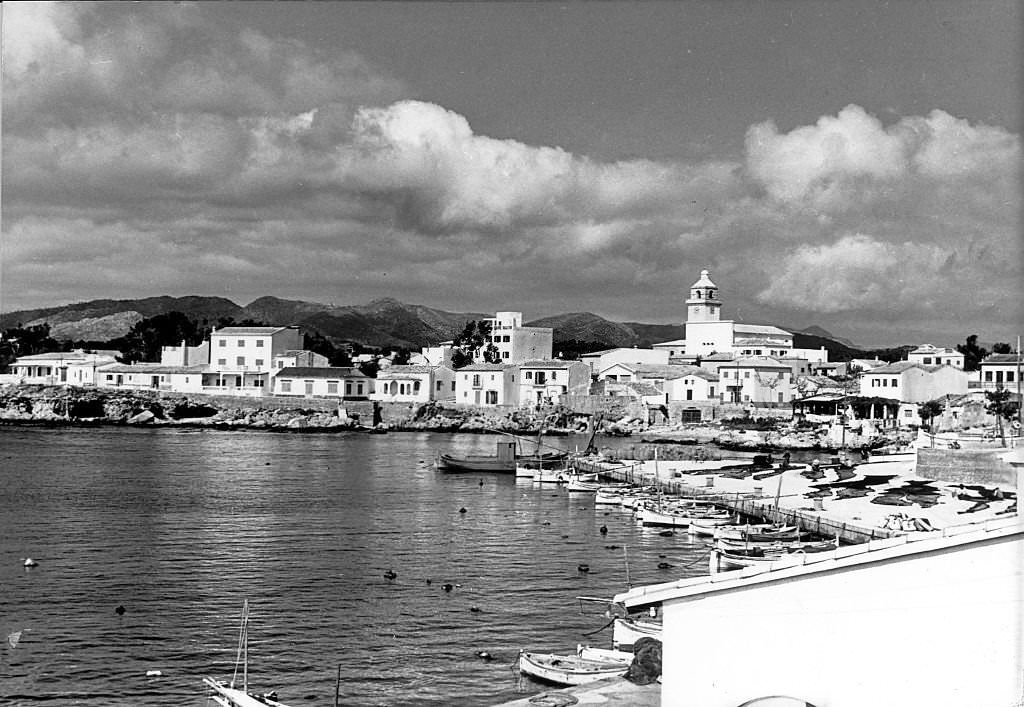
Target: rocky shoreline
36,405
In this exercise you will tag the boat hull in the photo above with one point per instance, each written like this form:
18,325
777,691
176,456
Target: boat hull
568,669
626,632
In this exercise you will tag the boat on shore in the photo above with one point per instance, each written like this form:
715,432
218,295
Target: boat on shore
568,670
739,558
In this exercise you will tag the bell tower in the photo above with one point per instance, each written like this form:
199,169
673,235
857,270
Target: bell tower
703,304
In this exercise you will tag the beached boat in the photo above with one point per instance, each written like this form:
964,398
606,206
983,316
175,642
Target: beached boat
626,631
568,669
706,524
225,693
605,654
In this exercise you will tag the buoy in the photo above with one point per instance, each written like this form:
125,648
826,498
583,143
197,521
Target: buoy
462,510
481,482
29,562
390,574
475,609
604,530
447,587
485,655
583,568
119,610
664,566
428,580
153,673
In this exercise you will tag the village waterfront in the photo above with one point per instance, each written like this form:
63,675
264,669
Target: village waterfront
180,526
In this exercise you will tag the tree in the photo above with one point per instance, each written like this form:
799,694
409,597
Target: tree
474,338
999,403
973,354
1001,348
145,339
318,343
25,341
929,411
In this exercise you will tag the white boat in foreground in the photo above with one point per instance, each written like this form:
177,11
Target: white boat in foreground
627,631
568,669
225,693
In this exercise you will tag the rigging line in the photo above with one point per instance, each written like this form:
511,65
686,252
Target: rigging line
602,628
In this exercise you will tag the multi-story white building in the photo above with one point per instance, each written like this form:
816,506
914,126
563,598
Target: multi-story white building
414,384
755,380
516,343
241,358
928,355
487,384
546,382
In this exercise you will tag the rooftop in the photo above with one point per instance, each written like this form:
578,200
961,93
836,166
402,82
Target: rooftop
325,372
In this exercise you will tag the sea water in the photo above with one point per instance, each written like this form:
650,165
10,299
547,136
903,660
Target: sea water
180,527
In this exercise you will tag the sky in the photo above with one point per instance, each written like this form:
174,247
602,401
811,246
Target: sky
854,165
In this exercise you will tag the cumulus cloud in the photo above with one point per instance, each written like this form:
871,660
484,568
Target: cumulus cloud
155,142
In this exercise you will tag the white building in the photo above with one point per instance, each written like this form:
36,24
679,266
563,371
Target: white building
153,376
299,359
516,343
755,380
414,384
487,384
241,358
707,332
1000,371
341,382
602,360
928,355
62,368
546,382
933,620
911,382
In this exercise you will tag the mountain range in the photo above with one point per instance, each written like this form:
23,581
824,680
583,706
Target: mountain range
380,323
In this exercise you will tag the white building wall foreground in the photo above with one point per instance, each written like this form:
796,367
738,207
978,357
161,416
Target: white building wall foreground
940,627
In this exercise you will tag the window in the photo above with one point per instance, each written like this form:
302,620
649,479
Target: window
491,397
453,386
416,387
241,343
110,378
711,392
259,363
222,362
504,354
1009,376
332,387
894,383
309,387
222,342
927,360
780,397
552,375
506,338
359,388
240,360
529,375
259,343
259,382
348,387
988,376
746,374
439,386
476,379
908,413
286,386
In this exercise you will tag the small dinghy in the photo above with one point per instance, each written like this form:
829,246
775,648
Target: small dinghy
569,669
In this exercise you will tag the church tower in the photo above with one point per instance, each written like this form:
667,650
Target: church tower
703,304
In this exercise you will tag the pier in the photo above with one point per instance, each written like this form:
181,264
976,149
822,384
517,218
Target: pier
753,503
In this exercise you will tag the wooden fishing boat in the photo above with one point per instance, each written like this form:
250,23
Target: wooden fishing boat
606,654
706,525
452,463
764,532
739,558
568,669
652,517
577,485
225,693
626,631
